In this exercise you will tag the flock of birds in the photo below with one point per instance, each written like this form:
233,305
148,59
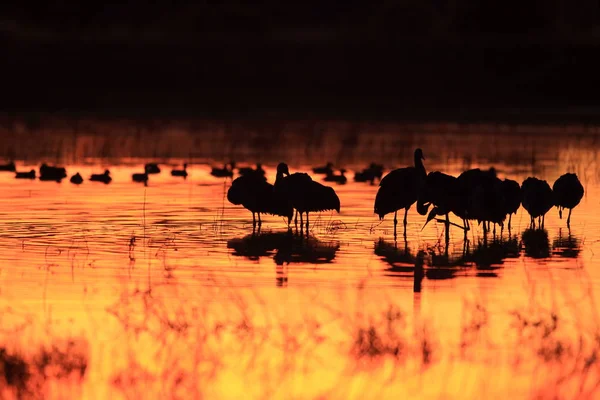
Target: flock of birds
475,195
57,174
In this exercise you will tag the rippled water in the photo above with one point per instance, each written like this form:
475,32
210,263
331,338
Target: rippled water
164,292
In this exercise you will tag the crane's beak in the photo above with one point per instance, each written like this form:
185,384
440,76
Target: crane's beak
431,216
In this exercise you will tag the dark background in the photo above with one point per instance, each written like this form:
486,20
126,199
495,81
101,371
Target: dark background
406,59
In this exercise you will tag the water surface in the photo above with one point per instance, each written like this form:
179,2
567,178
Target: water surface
163,291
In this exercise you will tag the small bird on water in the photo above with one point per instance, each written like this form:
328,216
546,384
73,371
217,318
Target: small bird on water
104,178
180,172
77,179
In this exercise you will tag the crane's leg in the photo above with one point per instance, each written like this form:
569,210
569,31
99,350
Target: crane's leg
560,212
569,219
259,220
296,219
509,221
405,223
447,229
494,229
395,222
301,224
307,224
253,221
543,220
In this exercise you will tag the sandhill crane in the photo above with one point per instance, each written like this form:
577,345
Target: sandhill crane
304,194
400,189
537,199
568,192
258,196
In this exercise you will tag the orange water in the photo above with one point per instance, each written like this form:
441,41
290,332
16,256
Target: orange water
165,292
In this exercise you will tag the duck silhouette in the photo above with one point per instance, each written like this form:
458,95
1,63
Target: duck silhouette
104,178
259,172
341,179
225,172
326,169
180,172
52,173
25,175
9,167
152,168
141,177
400,190
375,171
77,179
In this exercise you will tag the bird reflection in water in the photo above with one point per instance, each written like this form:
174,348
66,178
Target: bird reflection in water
402,262
285,248
536,242
488,257
566,246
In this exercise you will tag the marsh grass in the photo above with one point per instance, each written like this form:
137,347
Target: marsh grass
29,374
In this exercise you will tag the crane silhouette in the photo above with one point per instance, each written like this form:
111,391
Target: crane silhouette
400,190
258,196
568,192
304,194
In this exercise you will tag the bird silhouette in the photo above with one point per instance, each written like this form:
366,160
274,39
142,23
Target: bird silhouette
10,167
77,179
537,199
25,175
258,172
152,168
400,190
512,198
341,179
259,197
568,192
326,169
225,172
104,178
446,194
304,194
141,177
180,172
375,171
51,173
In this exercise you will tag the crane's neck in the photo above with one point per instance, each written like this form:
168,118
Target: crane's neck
419,165
278,177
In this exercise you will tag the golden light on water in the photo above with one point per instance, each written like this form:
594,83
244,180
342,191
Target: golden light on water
163,292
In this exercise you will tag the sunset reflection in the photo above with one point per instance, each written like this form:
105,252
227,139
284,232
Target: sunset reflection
122,290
